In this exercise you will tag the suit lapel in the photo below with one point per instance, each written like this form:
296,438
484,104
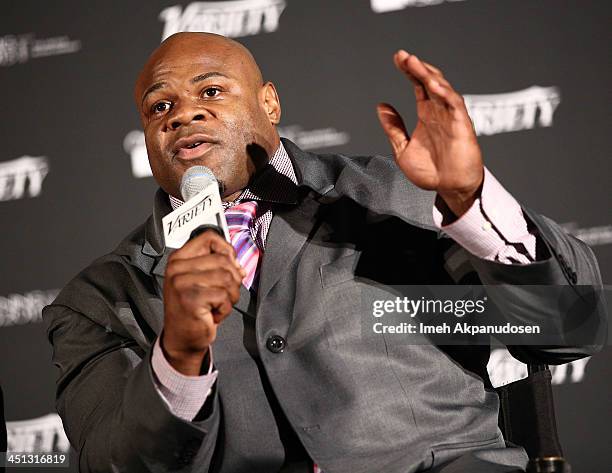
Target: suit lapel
290,229
246,303
292,224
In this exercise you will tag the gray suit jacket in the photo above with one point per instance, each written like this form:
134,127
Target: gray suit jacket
355,403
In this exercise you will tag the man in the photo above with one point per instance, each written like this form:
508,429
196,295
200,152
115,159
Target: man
211,359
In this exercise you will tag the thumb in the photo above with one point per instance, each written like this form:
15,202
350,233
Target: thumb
394,127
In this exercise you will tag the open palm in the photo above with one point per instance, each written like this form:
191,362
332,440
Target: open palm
442,154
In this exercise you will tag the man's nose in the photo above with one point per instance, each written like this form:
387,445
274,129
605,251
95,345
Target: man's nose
184,116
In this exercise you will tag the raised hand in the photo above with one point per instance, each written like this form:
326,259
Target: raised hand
442,154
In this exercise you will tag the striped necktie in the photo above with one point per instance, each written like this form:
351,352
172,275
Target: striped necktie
240,219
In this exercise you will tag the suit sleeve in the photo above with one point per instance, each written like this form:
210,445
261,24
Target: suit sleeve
562,292
112,412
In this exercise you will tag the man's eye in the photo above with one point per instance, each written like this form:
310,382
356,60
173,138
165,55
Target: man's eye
160,107
211,92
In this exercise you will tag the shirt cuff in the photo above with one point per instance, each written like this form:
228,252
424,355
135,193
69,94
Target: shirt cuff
185,395
494,225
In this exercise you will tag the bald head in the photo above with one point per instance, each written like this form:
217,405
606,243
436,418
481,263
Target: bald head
202,100
186,44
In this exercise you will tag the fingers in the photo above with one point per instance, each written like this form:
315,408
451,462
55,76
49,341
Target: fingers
218,277
428,80
196,288
394,127
204,244
419,90
204,263
204,266
433,69
190,276
202,303
198,294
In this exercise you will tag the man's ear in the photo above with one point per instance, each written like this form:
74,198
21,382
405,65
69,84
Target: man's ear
271,103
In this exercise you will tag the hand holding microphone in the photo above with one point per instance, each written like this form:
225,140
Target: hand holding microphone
202,281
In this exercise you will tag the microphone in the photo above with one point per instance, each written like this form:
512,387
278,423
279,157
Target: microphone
201,211
194,180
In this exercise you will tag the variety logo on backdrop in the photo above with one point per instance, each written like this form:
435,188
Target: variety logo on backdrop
22,177
19,309
19,49
134,144
503,368
521,110
314,139
234,18
592,236
42,435
382,6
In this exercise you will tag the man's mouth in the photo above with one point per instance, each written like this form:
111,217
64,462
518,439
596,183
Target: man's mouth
193,146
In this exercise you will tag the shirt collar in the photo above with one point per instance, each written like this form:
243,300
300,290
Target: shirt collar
276,183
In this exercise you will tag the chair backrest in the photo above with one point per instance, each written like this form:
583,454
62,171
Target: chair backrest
2,425
527,418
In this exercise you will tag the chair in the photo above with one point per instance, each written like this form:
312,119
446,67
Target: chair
3,440
527,418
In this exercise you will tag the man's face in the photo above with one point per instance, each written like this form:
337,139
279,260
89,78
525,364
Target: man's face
202,102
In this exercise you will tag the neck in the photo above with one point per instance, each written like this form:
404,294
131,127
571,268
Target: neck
234,196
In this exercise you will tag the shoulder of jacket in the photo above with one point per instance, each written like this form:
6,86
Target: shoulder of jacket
108,276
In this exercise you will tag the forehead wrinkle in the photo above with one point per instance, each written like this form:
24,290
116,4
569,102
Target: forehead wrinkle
163,70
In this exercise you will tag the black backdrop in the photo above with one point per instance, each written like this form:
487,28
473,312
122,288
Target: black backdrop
536,74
